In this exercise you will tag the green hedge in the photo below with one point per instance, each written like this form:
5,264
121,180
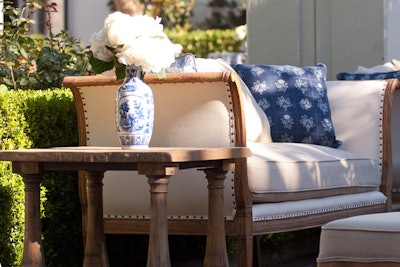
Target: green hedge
40,119
202,42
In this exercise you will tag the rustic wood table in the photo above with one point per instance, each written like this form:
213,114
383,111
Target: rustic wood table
158,164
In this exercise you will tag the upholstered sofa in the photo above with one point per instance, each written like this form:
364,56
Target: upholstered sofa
281,187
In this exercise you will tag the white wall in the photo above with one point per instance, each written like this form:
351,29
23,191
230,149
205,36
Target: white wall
392,32
343,34
355,30
274,32
85,18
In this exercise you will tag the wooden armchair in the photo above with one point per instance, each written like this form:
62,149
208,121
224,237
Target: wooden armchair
214,109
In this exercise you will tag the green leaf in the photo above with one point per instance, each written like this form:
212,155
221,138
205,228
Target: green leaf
100,66
120,71
23,53
161,74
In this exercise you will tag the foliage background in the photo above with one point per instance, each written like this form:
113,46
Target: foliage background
25,120
33,61
202,42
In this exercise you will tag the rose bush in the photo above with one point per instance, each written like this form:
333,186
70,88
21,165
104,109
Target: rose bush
32,61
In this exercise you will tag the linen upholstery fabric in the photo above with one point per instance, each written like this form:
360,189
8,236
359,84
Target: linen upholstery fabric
388,66
294,171
294,100
355,123
396,63
298,208
229,57
372,238
257,125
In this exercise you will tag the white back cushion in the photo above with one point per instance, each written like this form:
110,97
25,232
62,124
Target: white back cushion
356,108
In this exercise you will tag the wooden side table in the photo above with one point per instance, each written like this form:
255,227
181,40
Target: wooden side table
158,164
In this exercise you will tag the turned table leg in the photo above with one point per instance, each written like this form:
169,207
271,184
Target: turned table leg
158,178
216,254
158,254
95,248
33,255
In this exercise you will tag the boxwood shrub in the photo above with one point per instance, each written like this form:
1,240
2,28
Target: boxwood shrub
202,42
34,119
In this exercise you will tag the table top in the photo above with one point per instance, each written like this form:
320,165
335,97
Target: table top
87,154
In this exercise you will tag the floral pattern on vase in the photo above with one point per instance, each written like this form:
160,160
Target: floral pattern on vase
134,110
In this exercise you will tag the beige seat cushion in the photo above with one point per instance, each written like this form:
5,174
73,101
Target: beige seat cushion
372,238
291,171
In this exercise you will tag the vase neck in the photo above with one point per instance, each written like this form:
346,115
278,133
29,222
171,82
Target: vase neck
132,71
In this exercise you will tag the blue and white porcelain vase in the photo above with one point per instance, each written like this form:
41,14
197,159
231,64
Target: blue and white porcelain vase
134,110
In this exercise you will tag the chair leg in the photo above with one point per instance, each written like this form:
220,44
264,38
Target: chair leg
257,259
83,199
244,251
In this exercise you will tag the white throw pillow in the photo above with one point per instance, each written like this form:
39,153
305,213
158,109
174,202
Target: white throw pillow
396,63
387,67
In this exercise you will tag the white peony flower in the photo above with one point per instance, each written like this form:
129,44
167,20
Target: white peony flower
178,49
134,40
153,53
99,45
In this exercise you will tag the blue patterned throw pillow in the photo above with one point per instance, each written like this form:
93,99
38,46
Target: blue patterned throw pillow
295,101
368,76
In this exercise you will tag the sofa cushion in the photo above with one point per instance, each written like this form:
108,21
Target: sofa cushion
388,66
303,171
295,101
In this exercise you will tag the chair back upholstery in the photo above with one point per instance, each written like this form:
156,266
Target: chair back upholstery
191,110
355,124
360,122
